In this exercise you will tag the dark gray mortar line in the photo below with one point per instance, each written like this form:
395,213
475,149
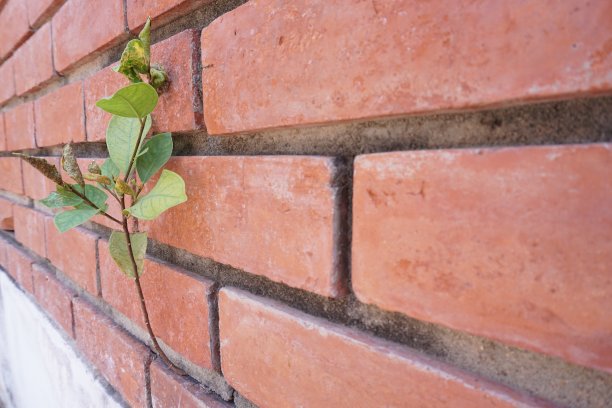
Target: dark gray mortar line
212,299
147,374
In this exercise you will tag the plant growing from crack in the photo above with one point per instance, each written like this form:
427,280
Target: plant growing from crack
133,160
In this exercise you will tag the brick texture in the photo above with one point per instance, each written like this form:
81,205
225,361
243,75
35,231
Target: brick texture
35,185
19,266
7,90
33,61
3,253
511,243
168,390
120,358
19,125
296,353
74,253
54,297
75,38
179,312
2,132
60,117
40,10
273,64
6,215
30,229
14,28
104,83
160,11
239,205
10,168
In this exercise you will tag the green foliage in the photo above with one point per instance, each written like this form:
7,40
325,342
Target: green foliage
168,192
72,218
62,197
133,101
118,248
110,170
122,136
135,59
93,194
154,154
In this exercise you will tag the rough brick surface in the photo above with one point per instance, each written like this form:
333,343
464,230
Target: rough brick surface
33,62
60,117
30,229
19,125
239,205
54,297
169,390
41,10
10,168
7,90
118,356
74,253
35,185
19,266
276,356
75,38
104,83
274,64
14,28
2,132
3,253
6,215
514,243
178,308
160,11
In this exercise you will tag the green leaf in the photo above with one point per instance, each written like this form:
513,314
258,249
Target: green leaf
168,192
158,77
69,219
132,101
134,60
121,138
62,197
119,251
145,37
94,194
159,150
110,170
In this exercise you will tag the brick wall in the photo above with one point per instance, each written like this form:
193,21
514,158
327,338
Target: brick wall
391,203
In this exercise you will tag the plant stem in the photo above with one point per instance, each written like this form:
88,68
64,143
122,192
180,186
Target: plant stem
143,305
104,213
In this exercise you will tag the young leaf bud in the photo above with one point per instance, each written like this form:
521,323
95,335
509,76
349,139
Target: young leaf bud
47,169
93,168
97,178
69,164
123,188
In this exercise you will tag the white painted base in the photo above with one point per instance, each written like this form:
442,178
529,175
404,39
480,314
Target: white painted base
38,366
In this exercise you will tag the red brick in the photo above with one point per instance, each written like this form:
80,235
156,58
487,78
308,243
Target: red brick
274,64
296,353
7,90
30,229
104,83
2,132
10,168
239,205
6,215
33,62
3,253
41,10
514,244
74,253
19,266
120,358
169,390
60,117
160,11
54,297
178,305
35,185
19,125
75,38
14,28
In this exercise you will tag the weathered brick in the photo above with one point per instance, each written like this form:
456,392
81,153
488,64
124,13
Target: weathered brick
303,62
19,125
160,11
10,168
179,312
120,358
3,255
41,10
60,117
239,205
30,229
54,297
35,185
14,28
7,90
513,243
296,353
74,253
75,38
2,132
33,62
169,389
104,83
19,266
6,215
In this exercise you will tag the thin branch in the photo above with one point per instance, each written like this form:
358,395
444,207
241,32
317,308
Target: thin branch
104,213
128,173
